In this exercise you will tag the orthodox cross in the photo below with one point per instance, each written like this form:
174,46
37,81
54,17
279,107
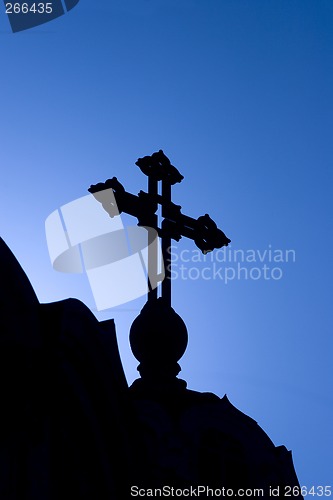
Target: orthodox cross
203,230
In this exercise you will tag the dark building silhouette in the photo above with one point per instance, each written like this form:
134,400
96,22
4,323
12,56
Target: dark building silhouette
71,428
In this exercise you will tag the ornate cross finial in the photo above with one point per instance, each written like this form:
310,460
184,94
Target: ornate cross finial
175,225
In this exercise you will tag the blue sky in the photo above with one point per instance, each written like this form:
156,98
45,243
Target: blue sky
239,95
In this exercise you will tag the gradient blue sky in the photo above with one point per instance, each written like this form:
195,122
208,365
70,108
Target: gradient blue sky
239,95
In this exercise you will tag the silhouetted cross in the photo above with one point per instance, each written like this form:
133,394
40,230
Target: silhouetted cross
174,225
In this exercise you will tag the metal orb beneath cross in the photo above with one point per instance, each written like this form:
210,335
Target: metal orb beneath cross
158,339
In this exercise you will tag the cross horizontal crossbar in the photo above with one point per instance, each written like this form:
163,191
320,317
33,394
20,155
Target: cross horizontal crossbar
143,206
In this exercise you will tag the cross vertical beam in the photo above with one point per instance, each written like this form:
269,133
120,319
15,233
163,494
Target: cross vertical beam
153,244
166,243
